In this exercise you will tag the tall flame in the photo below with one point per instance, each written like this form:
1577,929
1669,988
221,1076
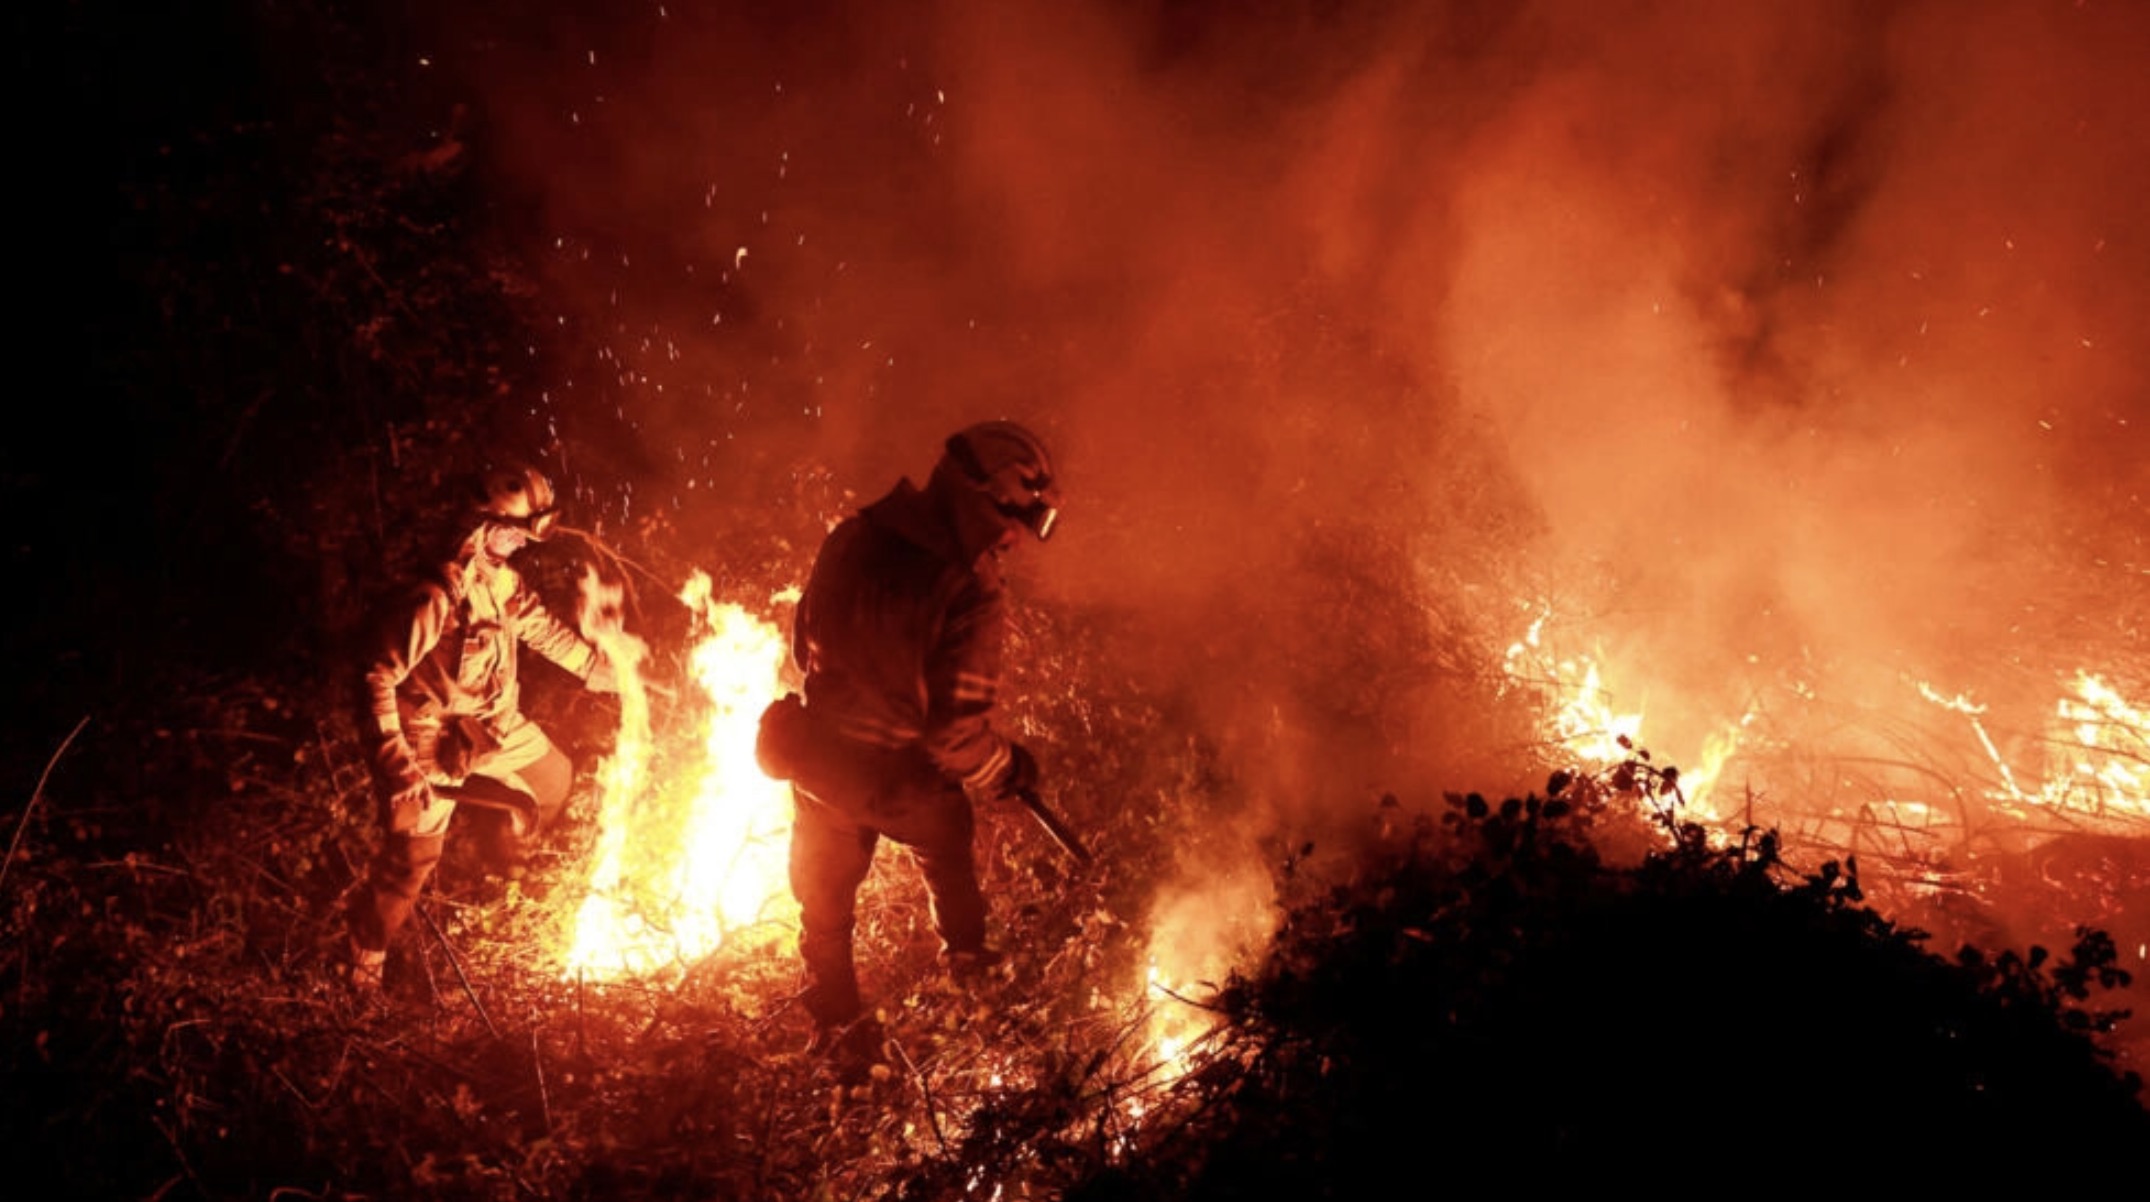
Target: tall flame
689,862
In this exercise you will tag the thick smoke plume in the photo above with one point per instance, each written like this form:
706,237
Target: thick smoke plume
1792,346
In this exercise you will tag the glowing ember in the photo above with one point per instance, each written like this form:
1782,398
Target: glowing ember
679,871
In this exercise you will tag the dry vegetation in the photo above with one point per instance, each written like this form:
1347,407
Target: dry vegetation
1481,983
1516,986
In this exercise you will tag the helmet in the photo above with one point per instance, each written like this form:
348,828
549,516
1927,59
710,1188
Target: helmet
1010,466
519,495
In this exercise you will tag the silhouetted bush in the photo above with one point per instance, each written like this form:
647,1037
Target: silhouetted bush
1493,1000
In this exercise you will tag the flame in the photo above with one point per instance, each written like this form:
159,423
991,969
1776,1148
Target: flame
2107,772
679,871
2096,748
1584,721
1583,718
1199,936
2098,745
1699,781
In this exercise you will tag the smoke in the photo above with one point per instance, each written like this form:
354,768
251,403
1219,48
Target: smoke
1825,322
1767,341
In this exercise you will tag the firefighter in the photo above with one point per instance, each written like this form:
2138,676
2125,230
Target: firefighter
443,718
898,635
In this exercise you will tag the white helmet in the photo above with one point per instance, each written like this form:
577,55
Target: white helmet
1010,465
519,495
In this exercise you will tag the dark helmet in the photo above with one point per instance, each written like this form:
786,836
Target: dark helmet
520,495
1011,467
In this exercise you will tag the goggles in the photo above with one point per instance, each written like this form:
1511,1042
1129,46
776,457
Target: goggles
1036,507
1039,514
536,525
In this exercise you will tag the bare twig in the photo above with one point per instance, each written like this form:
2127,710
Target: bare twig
138,866
457,964
178,1153
537,1061
286,1081
36,793
238,428
925,1090
604,550
403,1047
1183,999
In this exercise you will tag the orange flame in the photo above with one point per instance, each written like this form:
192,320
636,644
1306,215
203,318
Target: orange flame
2098,752
1587,725
1199,936
1583,718
2107,772
679,871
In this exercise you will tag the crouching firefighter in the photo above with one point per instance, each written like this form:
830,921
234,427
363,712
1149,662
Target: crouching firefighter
898,635
443,718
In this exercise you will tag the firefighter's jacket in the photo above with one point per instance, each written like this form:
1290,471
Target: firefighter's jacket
441,674
899,636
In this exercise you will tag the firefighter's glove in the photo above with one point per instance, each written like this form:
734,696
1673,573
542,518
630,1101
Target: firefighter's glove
1020,777
402,788
603,677
395,768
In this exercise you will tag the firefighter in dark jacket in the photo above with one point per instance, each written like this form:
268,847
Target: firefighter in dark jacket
443,717
899,636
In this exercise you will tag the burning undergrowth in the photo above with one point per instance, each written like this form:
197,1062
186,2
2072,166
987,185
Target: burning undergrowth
1214,1003
1260,979
1987,819
618,1023
1268,972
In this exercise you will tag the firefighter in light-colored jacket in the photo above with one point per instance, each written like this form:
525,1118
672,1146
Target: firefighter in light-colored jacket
443,711
899,636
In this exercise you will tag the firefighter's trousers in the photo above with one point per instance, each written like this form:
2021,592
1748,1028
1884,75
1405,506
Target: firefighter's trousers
525,772
832,850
